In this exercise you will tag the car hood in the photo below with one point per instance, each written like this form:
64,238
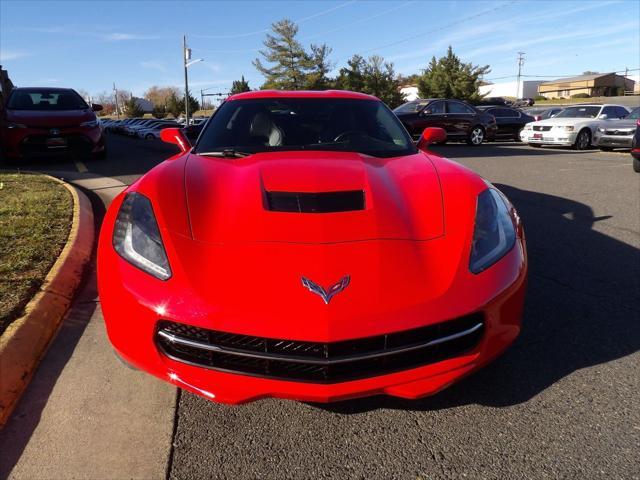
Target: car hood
42,118
232,199
618,123
564,121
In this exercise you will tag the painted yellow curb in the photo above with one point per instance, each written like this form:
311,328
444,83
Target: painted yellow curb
25,341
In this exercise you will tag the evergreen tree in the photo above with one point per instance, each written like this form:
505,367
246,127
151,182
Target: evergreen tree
352,76
320,66
175,106
380,80
240,86
288,58
449,77
132,108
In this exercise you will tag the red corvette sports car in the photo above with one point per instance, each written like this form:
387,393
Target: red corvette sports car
305,248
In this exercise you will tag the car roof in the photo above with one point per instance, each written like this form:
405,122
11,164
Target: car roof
52,89
301,94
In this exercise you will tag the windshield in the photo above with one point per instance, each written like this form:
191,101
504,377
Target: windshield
579,112
44,99
634,115
412,107
328,124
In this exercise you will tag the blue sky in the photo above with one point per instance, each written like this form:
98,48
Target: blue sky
91,44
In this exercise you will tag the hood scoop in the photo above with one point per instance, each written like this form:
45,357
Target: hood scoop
321,202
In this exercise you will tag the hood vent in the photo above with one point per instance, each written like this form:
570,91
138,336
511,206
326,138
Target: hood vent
322,202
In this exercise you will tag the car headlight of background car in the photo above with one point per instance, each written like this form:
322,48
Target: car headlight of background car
527,126
566,128
89,124
601,130
136,237
494,234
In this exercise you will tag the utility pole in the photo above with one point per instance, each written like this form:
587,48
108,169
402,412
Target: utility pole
201,99
520,63
115,95
186,56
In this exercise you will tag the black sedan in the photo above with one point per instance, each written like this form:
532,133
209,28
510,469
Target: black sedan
510,121
460,120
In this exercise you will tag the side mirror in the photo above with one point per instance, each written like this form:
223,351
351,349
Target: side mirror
430,136
604,116
95,107
175,137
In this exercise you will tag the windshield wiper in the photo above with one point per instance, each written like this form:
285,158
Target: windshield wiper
226,153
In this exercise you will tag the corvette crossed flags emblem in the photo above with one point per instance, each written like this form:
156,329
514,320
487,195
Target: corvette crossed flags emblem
327,294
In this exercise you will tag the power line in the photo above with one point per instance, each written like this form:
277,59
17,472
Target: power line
265,30
439,29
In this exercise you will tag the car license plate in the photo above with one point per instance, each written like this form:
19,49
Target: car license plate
56,142
537,136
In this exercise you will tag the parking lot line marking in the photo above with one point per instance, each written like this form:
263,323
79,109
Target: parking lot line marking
81,167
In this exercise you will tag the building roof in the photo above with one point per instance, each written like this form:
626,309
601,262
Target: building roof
579,78
301,94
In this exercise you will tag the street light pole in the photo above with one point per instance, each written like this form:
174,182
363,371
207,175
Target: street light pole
520,63
185,58
115,95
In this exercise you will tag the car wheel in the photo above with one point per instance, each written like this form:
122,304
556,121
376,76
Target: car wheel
606,149
636,165
516,137
583,140
476,136
149,136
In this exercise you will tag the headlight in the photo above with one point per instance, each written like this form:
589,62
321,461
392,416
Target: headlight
527,127
90,124
137,239
601,130
494,234
566,128
15,125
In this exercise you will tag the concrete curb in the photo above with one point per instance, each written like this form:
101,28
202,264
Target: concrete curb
25,341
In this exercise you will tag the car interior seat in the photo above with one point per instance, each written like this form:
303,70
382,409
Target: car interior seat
262,126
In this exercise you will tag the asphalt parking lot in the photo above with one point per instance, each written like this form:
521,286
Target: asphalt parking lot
561,403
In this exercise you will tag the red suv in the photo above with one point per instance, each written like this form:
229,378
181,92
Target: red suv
46,121
460,120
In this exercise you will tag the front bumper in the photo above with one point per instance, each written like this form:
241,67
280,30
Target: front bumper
43,142
612,141
550,137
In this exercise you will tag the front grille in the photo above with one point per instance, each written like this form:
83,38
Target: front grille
541,128
34,144
315,361
626,133
322,202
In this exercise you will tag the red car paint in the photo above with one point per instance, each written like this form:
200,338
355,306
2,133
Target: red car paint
25,132
236,267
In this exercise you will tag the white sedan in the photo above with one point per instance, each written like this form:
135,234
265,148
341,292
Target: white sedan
572,127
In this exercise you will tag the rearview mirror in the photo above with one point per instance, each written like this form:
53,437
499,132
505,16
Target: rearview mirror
175,137
430,136
95,107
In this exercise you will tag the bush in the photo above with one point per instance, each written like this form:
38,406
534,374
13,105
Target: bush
581,95
539,98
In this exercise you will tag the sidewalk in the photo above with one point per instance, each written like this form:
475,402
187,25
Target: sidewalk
85,415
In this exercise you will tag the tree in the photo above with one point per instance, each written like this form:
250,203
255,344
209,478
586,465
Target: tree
194,105
159,111
319,68
380,80
449,77
132,108
288,58
159,95
240,86
175,106
373,76
352,76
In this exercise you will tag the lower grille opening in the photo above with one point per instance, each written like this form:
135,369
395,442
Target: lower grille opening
315,361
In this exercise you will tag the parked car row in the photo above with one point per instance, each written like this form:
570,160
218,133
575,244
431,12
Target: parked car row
579,126
139,127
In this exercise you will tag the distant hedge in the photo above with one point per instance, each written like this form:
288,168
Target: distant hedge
581,95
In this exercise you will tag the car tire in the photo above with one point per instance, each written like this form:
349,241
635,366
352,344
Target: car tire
606,149
149,136
583,140
636,165
516,137
475,136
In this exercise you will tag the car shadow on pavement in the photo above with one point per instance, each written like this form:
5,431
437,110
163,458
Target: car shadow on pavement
582,309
